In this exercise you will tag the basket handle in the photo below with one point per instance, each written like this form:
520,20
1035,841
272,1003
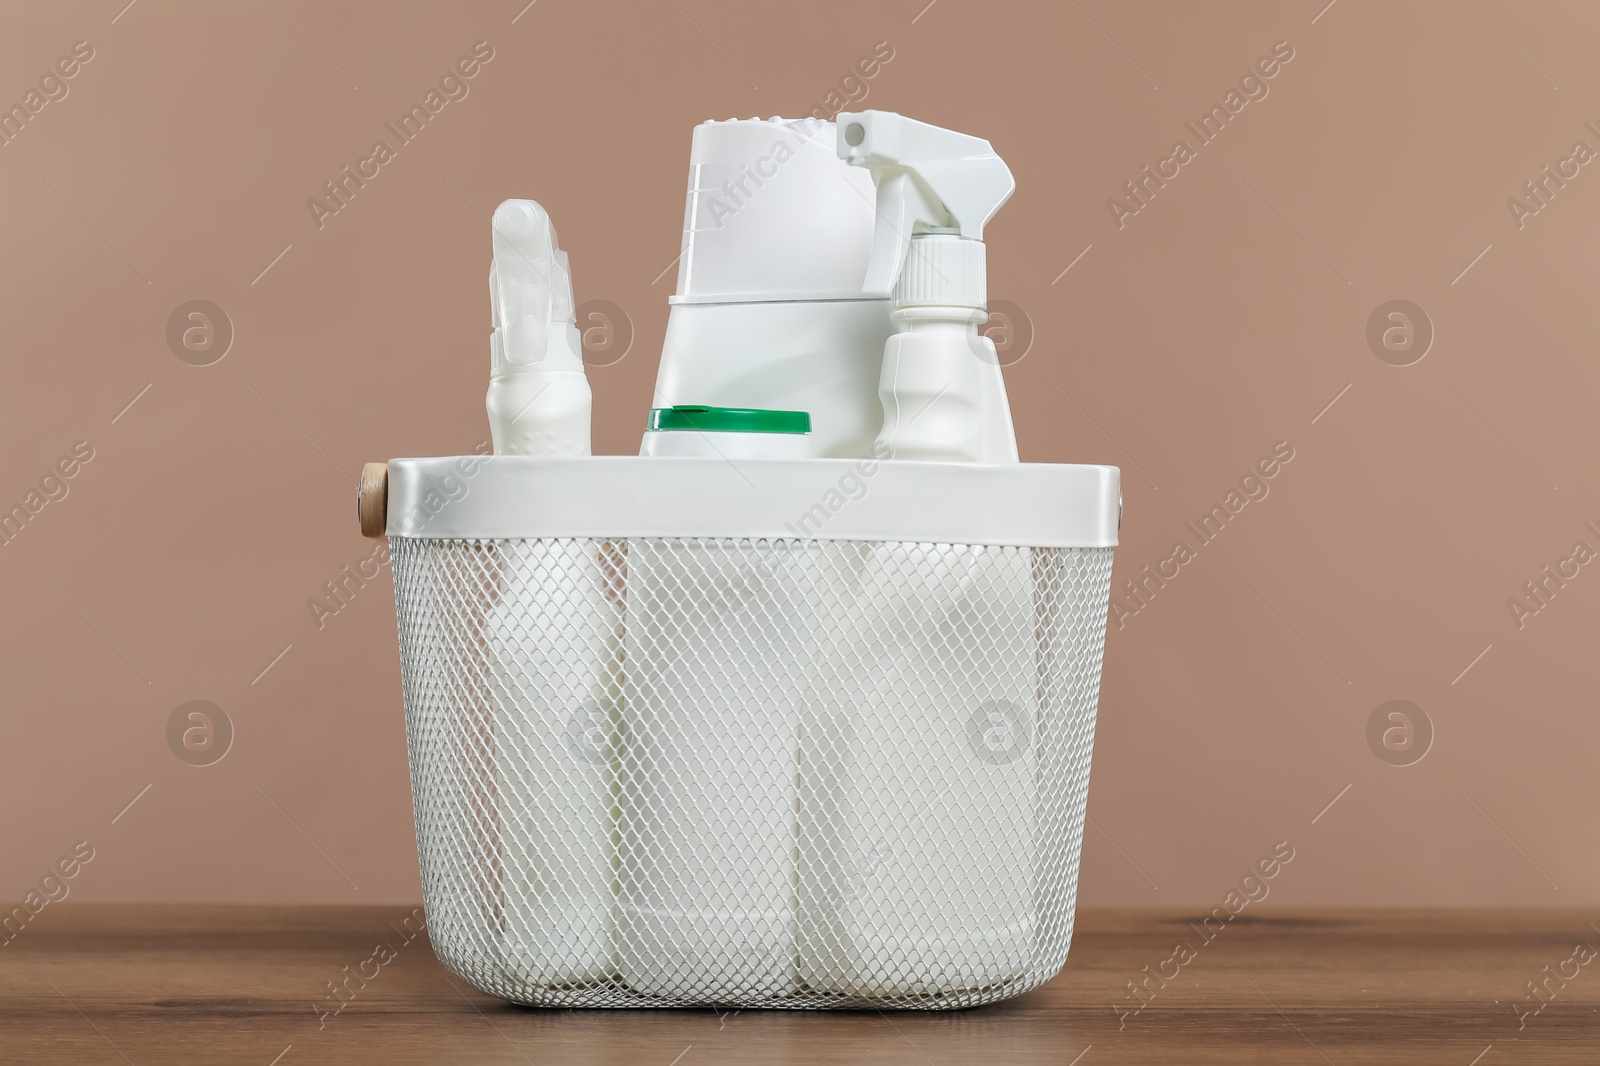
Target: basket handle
372,499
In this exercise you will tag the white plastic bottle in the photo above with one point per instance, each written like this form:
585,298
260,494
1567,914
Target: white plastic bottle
551,639
539,400
556,685
716,650
769,311
917,787
898,777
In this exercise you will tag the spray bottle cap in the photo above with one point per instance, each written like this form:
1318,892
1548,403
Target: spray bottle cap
534,319
937,189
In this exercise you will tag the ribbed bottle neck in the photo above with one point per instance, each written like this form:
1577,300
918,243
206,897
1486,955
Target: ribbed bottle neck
943,270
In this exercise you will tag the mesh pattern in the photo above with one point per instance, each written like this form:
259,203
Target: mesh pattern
779,773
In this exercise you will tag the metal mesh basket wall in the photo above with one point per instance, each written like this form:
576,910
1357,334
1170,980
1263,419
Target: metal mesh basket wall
779,773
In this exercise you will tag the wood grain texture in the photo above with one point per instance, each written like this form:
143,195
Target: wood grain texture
372,499
168,984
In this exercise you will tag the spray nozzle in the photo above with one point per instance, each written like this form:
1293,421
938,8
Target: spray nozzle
930,181
538,399
531,288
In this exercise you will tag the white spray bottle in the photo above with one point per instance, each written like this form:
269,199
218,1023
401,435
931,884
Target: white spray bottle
539,400
898,776
943,396
550,636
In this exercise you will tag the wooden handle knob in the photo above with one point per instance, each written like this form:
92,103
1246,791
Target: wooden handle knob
372,499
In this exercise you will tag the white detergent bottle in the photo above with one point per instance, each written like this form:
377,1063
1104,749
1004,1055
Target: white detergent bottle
913,885
769,311
551,638
717,647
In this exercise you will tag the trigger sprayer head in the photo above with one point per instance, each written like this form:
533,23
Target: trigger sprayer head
531,286
930,181
538,400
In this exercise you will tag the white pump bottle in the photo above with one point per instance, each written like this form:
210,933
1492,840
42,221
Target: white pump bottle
550,636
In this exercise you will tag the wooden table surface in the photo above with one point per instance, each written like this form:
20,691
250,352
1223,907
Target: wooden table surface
181,984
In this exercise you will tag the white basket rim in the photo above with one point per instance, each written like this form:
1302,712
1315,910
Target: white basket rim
1042,505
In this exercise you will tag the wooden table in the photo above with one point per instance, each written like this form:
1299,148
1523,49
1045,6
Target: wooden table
180,984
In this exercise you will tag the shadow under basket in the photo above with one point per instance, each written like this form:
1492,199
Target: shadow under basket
668,752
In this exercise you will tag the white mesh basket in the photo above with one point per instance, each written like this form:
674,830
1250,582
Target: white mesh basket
749,771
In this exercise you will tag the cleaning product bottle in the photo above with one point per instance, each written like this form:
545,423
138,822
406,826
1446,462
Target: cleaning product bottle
717,645
769,314
551,637
539,400
769,310
911,888
943,396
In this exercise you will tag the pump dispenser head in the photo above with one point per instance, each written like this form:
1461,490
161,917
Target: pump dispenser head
931,182
539,399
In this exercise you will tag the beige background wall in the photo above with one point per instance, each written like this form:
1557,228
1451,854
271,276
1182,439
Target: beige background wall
1222,318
